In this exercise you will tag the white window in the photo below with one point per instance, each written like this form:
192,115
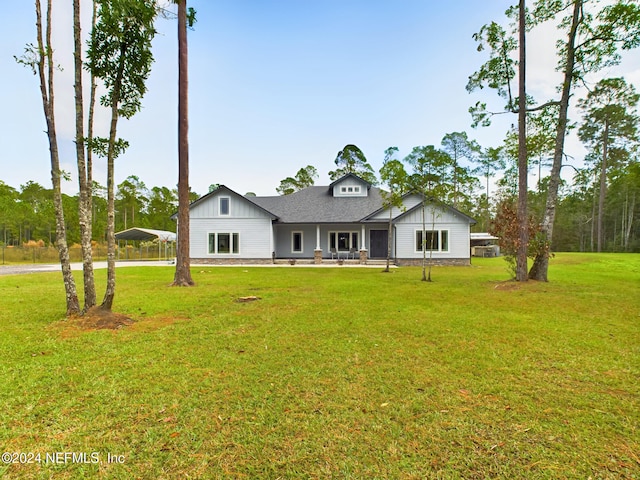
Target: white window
343,241
224,205
221,243
435,240
350,190
296,242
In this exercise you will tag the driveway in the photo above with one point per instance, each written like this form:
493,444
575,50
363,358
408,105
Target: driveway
55,267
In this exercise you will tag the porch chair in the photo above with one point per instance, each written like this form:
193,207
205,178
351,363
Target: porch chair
352,251
334,253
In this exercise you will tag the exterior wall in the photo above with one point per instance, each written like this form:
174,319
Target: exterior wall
238,208
350,182
409,202
255,237
440,262
458,228
283,245
283,233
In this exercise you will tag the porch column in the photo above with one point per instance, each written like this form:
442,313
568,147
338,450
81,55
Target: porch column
363,248
317,253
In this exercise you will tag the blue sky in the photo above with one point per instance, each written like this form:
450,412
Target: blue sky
275,86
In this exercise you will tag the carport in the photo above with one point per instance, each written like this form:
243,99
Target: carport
164,239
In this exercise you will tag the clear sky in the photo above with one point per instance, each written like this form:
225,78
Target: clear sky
274,86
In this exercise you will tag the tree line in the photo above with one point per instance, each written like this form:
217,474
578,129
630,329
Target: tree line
27,212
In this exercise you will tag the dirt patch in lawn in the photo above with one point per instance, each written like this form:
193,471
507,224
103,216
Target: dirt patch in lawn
98,318
510,285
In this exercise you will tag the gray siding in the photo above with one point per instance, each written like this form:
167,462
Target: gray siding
457,226
283,235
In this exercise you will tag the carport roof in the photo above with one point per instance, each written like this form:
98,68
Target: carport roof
146,234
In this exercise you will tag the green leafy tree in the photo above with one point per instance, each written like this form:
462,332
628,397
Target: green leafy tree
460,147
431,178
608,123
394,177
131,201
305,177
162,204
594,33
489,162
120,55
351,160
8,212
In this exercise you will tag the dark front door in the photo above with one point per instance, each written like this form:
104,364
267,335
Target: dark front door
378,243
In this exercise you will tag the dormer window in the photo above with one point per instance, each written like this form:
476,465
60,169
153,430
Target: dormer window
351,189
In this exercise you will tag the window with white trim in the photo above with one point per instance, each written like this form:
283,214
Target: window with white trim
223,203
343,241
296,242
352,189
221,243
435,240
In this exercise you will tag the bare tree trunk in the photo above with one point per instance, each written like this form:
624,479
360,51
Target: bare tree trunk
389,238
46,89
523,167
110,292
603,184
630,215
540,268
183,262
424,241
84,204
593,219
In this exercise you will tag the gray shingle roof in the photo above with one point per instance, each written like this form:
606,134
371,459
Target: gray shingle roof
317,205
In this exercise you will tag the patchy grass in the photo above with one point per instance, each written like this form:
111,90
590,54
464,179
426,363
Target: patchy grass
331,373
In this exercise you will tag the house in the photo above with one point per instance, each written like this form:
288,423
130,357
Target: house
345,220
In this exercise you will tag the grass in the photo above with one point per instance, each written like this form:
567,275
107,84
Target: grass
333,373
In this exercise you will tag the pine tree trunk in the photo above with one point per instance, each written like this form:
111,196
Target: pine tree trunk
523,167
183,262
540,268
603,185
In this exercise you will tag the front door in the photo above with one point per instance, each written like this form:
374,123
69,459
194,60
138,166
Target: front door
378,243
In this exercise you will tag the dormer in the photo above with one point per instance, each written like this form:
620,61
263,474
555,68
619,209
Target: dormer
349,185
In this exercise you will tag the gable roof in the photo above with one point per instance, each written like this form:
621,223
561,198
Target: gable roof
349,175
225,189
444,206
318,205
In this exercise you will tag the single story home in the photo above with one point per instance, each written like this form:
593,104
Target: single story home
344,220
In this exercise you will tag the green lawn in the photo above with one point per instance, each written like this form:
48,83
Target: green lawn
333,373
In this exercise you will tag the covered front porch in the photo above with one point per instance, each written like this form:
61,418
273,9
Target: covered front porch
324,242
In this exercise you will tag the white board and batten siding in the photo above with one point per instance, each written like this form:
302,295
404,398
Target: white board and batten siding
253,225
350,187
409,202
457,226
